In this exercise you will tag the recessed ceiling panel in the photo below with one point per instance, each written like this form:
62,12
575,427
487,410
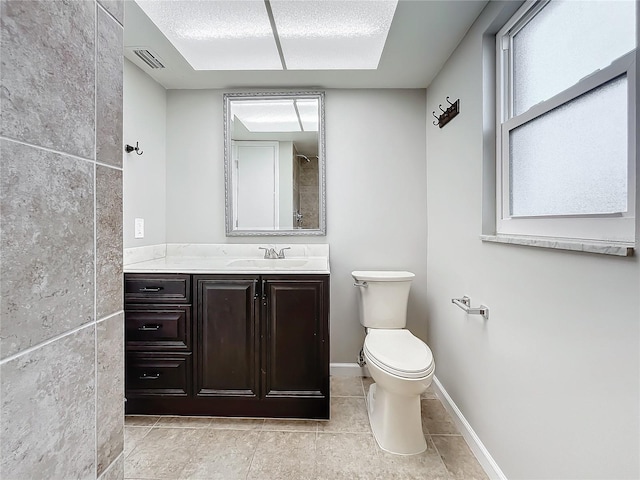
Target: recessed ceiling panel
332,34
273,116
217,35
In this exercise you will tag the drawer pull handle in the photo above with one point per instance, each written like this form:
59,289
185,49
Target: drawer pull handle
150,289
144,376
149,328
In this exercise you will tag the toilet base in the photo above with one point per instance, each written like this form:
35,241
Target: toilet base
396,421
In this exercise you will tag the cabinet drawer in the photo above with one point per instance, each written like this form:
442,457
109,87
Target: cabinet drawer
158,374
157,288
158,328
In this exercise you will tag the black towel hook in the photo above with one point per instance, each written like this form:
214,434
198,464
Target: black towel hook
128,148
445,117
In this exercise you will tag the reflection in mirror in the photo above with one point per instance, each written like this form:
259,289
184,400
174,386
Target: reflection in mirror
274,163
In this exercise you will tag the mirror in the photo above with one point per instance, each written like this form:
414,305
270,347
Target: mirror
274,164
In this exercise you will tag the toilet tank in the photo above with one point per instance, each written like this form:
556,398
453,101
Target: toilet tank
383,298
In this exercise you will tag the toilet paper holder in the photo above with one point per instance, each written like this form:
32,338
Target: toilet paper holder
465,304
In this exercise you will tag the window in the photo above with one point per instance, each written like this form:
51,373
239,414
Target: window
566,131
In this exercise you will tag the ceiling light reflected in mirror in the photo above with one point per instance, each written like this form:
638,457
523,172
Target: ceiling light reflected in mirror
276,115
272,116
308,112
239,34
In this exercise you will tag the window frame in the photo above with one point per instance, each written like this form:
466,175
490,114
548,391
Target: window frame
615,227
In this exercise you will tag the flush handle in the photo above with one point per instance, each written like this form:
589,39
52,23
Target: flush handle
361,284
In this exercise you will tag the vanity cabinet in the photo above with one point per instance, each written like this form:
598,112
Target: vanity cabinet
241,345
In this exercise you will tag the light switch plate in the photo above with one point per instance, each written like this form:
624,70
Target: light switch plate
139,228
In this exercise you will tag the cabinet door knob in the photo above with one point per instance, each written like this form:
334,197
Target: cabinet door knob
154,376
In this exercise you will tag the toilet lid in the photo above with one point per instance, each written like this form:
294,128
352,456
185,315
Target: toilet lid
382,276
399,352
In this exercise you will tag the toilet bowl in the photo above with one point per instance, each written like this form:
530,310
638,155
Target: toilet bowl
400,364
402,367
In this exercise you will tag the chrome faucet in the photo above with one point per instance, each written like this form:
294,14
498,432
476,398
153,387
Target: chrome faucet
269,252
272,254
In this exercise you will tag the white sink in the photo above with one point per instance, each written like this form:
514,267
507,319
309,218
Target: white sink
280,263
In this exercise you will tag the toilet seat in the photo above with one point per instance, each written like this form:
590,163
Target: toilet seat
399,352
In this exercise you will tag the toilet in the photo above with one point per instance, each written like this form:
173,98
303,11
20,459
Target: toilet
400,364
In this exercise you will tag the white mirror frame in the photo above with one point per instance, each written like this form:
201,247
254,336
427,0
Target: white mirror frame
231,231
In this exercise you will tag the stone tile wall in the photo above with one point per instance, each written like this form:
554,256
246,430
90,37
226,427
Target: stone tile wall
61,320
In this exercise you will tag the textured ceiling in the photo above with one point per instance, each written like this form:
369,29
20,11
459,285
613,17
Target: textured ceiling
423,35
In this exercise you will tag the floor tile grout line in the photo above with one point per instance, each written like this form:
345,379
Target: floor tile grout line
184,427
254,454
435,447
140,440
315,454
349,432
192,453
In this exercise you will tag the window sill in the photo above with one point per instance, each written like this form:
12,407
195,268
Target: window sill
603,248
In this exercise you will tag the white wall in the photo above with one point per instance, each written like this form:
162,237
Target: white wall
144,180
376,197
551,381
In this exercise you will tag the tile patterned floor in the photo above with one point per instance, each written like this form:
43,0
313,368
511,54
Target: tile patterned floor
269,449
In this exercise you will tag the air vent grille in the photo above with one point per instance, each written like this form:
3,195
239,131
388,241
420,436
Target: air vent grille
148,57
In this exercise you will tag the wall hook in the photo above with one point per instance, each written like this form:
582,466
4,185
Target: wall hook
436,117
128,148
447,115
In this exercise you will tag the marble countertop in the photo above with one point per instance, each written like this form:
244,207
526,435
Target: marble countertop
226,259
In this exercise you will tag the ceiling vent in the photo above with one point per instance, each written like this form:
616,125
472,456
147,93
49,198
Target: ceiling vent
148,57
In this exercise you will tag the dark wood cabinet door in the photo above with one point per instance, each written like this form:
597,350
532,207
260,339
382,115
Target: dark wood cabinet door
296,347
227,336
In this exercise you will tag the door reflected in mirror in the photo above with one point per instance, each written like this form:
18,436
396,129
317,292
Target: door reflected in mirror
274,163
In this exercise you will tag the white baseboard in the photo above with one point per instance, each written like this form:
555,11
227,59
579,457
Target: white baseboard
348,370
475,444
